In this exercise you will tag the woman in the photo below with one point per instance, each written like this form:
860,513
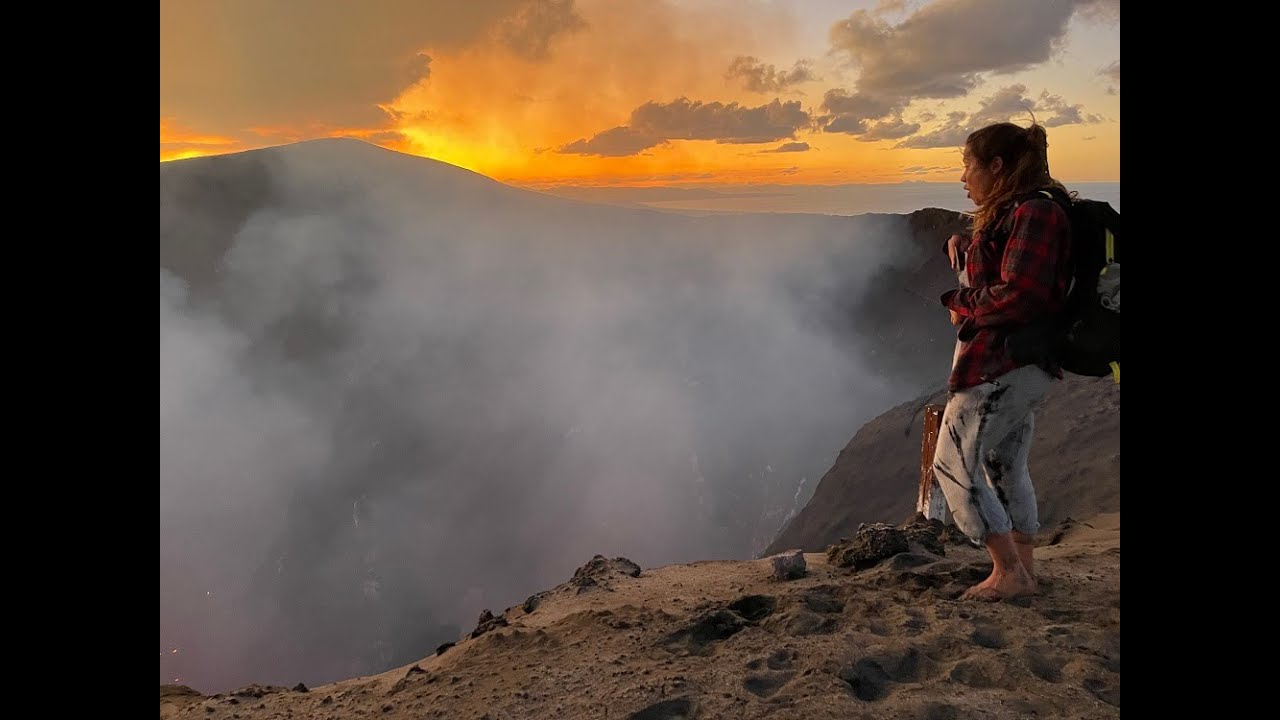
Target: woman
1016,264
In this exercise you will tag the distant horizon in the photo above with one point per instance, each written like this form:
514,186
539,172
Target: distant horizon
846,199
737,186
706,197
631,183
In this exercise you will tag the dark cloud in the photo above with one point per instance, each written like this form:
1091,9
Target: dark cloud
618,142
1006,104
1112,73
940,50
654,123
928,169
945,50
731,123
791,147
418,68
236,64
889,130
847,124
1063,112
850,112
760,77
1101,11
952,134
858,106
528,31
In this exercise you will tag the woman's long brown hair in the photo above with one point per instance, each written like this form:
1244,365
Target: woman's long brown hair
1025,156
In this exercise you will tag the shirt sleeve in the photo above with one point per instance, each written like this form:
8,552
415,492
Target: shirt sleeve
1028,270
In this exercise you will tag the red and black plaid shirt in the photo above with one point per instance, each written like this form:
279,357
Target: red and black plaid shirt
1011,284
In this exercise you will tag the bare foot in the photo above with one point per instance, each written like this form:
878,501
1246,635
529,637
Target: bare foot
1002,585
1026,545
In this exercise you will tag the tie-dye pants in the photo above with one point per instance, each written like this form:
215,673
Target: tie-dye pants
981,459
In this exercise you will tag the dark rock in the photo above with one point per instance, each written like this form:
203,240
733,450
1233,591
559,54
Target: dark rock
486,623
871,544
789,565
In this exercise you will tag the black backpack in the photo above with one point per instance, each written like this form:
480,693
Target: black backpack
1084,338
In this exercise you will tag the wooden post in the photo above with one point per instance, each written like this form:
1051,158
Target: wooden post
930,501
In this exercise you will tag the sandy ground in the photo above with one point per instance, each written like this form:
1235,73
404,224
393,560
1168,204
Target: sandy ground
726,640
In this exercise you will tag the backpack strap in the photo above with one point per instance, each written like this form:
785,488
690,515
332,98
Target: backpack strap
1006,223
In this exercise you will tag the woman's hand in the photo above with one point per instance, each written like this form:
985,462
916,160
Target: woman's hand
954,249
956,318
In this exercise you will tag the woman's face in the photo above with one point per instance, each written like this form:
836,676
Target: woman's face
978,179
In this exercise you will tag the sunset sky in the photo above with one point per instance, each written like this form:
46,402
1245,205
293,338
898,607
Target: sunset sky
648,92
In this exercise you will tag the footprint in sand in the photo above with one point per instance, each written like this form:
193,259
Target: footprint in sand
678,709
990,636
707,630
1060,615
867,679
824,600
1043,664
871,678
717,625
754,608
802,622
939,711
764,685
782,658
978,673
1103,690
